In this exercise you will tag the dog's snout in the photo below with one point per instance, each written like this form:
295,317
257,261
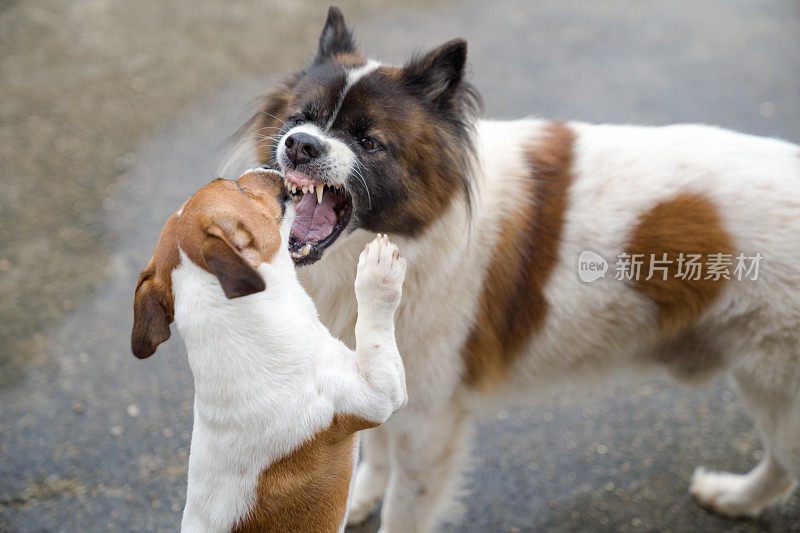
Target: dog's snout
302,147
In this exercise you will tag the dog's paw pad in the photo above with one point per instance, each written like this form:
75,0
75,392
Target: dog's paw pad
380,271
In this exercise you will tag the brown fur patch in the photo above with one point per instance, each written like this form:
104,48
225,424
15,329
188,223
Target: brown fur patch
512,304
307,490
245,215
688,224
415,178
432,182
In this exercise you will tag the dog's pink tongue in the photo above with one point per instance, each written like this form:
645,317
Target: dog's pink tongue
314,221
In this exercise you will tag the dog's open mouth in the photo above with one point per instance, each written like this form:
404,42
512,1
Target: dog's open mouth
322,212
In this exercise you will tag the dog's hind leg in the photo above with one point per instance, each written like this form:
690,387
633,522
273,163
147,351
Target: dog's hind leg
427,448
372,475
743,495
775,405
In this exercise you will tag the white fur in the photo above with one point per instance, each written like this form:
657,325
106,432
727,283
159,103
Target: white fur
269,376
591,330
337,162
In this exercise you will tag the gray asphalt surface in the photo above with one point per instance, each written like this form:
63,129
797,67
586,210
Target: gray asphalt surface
92,161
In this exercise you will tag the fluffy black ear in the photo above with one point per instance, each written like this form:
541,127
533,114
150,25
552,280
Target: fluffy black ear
335,38
438,74
235,275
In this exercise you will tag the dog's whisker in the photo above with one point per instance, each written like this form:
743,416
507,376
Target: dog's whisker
366,187
283,122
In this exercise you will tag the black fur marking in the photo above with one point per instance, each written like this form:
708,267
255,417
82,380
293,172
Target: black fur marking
335,38
316,94
437,75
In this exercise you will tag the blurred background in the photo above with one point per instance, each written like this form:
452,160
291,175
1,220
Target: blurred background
113,112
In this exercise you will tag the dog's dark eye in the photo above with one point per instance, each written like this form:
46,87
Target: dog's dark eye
296,120
369,144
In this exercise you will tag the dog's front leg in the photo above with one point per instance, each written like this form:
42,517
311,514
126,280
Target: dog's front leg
427,447
370,382
378,287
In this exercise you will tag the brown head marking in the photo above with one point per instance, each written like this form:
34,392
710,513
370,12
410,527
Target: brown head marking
227,228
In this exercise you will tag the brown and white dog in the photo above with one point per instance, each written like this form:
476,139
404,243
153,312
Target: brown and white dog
278,400
493,218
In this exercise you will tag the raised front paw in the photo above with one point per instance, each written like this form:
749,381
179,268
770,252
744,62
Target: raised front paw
381,270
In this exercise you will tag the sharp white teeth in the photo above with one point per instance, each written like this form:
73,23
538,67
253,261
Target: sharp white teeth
311,189
304,251
294,188
305,190
320,190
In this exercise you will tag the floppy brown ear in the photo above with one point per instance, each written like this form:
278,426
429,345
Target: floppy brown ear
235,275
152,315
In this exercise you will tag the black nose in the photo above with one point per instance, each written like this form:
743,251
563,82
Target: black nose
302,148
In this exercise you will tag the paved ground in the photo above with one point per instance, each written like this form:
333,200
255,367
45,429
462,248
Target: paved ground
112,112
